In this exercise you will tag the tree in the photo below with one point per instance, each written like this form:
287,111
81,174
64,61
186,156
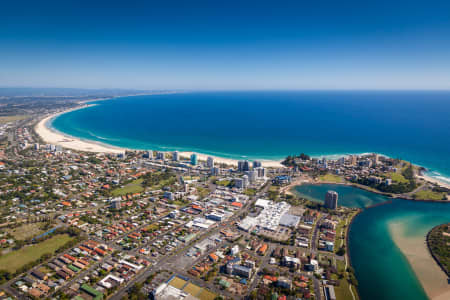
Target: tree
135,292
341,251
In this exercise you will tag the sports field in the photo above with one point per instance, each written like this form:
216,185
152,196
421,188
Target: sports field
16,259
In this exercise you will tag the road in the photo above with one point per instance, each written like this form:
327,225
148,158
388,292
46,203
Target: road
317,290
314,235
162,263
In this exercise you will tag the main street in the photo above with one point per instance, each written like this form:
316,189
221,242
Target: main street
163,262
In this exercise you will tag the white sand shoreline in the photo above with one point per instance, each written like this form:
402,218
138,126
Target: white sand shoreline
429,274
52,136
435,181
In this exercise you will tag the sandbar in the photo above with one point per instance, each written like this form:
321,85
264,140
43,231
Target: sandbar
430,275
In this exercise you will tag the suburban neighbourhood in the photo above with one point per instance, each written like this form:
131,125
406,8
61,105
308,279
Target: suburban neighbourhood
162,225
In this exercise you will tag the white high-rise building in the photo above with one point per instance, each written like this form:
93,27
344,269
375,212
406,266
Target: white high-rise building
252,176
257,164
240,165
325,163
246,181
160,155
243,165
331,200
261,172
194,159
210,162
239,183
175,156
215,171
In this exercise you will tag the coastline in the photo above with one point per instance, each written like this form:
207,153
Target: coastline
52,136
434,180
347,246
429,274
416,260
436,259
288,189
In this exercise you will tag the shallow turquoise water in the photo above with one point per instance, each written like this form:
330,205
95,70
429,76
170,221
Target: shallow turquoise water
348,196
414,126
271,125
382,270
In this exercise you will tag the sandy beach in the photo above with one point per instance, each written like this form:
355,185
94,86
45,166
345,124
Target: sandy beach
430,275
435,181
297,181
54,137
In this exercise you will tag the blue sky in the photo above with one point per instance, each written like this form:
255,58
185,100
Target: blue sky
226,44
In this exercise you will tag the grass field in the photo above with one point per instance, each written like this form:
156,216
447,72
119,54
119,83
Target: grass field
16,259
331,178
342,291
177,282
153,227
179,203
274,189
133,187
340,265
206,295
250,192
202,192
223,182
192,289
8,119
160,183
188,178
339,241
428,195
397,177
26,231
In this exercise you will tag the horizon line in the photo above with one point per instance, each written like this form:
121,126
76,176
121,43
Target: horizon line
232,90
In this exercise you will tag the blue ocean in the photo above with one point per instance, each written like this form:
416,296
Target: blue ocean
414,126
